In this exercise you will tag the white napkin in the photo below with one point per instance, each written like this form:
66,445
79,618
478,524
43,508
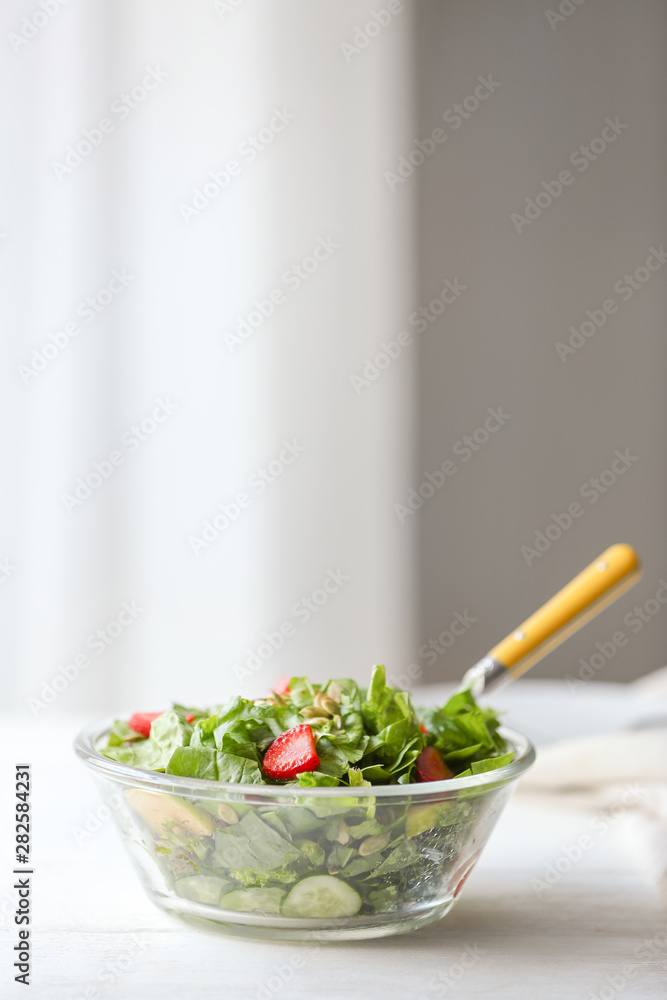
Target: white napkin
623,774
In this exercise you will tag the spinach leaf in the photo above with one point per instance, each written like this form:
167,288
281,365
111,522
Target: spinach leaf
168,732
252,844
488,764
215,765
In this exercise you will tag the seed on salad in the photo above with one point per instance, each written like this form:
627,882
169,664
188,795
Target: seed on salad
324,704
372,844
335,691
338,721
310,712
227,814
343,832
318,720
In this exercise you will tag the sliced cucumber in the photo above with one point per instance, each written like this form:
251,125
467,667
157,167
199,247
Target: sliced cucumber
322,896
248,900
201,888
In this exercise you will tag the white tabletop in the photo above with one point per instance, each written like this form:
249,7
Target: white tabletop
95,935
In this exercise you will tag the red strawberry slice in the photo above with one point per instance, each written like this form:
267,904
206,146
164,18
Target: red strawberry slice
462,881
141,722
291,753
282,685
430,765
189,717
462,873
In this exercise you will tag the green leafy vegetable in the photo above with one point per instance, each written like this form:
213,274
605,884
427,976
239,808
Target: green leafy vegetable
303,856
169,732
364,737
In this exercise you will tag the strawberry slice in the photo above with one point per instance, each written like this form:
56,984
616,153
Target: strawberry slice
282,685
430,765
291,753
462,881
141,722
189,717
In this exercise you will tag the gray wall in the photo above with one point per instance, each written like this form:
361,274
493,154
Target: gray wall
495,345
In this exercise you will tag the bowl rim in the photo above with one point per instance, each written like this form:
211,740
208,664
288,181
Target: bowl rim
85,748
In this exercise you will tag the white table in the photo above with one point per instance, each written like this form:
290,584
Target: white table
94,930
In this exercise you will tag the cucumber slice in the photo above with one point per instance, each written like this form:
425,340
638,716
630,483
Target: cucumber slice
201,888
322,896
249,900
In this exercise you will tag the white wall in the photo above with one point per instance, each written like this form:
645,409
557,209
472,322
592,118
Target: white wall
163,338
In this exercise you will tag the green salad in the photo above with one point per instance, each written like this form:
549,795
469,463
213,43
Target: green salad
303,856
346,735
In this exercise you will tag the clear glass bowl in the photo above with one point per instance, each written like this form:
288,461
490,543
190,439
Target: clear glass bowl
303,863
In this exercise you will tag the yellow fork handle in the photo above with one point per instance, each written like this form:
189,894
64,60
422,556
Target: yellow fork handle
594,589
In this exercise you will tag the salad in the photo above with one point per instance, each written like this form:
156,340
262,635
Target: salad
310,734
304,856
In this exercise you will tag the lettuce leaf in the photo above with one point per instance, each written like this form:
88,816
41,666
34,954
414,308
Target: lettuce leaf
364,737
168,732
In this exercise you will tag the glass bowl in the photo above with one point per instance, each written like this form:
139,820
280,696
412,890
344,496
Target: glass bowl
321,864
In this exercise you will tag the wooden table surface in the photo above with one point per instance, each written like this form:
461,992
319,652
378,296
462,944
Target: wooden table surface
599,932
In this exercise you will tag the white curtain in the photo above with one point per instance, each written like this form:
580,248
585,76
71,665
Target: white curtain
171,170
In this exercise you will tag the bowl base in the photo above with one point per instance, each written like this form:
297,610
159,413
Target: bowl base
259,925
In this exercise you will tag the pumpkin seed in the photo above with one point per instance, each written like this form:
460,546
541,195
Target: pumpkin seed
227,814
372,844
310,712
335,691
343,832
